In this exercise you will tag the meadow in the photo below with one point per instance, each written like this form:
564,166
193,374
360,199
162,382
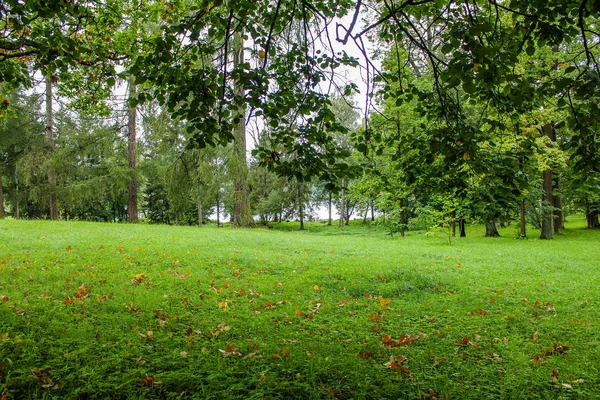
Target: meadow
94,311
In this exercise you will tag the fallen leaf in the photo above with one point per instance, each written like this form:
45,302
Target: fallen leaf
231,351
335,393
384,302
149,381
465,342
82,292
477,312
404,340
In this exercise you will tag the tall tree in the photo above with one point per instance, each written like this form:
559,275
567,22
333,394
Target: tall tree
50,136
132,208
242,216
547,203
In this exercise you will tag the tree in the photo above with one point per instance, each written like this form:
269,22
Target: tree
132,209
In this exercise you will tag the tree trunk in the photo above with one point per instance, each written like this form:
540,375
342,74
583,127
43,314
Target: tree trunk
301,204
342,205
490,229
402,219
50,137
372,212
241,205
454,224
559,218
330,220
199,211
132,209
523,233
592,219
218,212
462,227
1,199
547,198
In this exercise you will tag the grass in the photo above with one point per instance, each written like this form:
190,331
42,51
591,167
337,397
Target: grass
93,310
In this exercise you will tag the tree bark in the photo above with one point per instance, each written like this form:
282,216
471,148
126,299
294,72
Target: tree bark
301,204
547,197
132,209
218,211
372,212
342,205
490,229
523,233
199,202
402,219
559,218
17,198
592,219
454,224
1,199
241,204
50,137
330,220
462,227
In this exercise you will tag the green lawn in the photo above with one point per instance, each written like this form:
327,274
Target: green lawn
93,310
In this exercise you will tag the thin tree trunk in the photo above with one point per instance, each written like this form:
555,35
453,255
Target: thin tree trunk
372,212
454,224
132,209
241,205
330,220
218,211
462,227
592,219
523,233
402,219
301,204
199,211
50,137
547,224
490,229
559,218
342,205
547,202
1,199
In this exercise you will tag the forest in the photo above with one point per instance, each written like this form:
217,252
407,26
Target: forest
187,112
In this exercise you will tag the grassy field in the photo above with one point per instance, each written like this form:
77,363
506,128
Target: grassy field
123,311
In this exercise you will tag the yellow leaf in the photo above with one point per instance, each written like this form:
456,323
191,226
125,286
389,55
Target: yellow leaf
316,287
223,305
384,302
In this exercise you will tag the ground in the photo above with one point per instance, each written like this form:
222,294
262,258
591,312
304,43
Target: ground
92,310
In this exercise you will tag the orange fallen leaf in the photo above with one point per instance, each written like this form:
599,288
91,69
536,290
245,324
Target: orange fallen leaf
384,302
